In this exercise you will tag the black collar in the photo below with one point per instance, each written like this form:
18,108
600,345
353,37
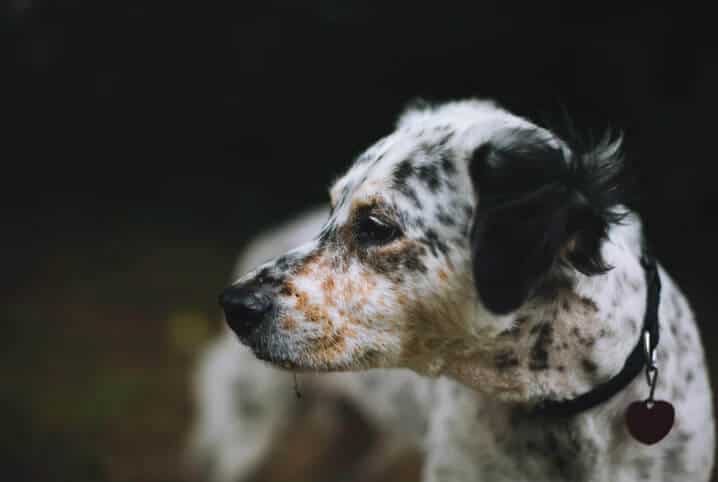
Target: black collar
634,364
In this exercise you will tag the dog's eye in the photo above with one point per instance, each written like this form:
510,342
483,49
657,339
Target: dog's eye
373,230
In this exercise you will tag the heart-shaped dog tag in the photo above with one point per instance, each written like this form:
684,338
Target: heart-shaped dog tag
649,422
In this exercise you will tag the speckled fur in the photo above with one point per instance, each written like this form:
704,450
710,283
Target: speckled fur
412,304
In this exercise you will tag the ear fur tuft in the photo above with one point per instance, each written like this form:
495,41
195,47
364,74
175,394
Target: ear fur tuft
542,201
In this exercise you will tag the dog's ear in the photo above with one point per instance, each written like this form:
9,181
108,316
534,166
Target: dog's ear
541,203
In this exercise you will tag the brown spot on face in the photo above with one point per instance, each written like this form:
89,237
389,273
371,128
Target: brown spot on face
302,300
312,312
328,288
289,323
328,284
316,314
347,331
443,276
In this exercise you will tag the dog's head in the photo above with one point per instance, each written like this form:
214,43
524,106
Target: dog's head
437,235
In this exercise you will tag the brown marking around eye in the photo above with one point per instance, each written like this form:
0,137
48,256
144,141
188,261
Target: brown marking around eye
403,256
362,207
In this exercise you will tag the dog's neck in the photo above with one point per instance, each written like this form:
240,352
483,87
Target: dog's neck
574,334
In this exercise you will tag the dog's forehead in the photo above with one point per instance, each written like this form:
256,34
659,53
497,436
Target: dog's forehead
384,170
428,144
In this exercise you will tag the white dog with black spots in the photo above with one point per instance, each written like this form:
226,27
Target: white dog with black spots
486,266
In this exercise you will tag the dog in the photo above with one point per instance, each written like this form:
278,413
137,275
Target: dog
485,278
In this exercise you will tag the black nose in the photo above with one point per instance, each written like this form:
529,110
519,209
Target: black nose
245,306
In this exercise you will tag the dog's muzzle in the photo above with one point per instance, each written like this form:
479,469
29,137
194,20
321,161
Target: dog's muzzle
246,306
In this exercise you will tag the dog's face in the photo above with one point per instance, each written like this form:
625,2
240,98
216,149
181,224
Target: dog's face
396,278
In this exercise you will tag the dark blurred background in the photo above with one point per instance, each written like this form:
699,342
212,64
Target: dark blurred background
145,142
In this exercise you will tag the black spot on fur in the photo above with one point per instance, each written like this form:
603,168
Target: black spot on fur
444,218
674,461
677,393
633,324
468,211
587,341
283,263
644,467
539,351
429,175
435,243
589,366
442,142
263,275
512,332
684,437
447,163
506,359
589,304
411,194
272,276
403,171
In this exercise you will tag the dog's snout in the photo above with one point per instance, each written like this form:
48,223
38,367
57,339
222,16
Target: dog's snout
245,307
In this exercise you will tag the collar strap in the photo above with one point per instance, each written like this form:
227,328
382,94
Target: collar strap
634,364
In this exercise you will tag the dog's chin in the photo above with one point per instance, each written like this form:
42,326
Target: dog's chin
280,361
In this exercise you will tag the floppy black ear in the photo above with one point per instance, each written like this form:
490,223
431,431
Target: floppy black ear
539,204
